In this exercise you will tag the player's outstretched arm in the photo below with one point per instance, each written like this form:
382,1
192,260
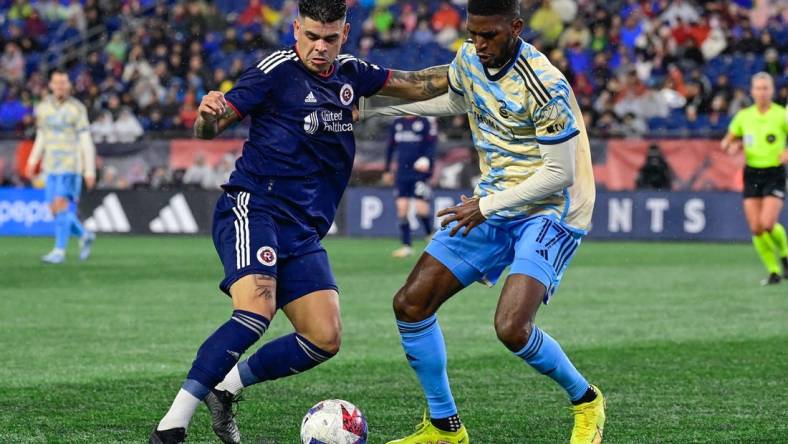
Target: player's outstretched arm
417,85
215,116
449,104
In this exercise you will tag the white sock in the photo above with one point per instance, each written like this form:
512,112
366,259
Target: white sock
232,382
59,250
181,411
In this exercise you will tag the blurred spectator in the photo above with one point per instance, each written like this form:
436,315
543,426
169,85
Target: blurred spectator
577,36
52,11
655,173
75,12
110,180
117,46
12,64
199,173
740,100
547,23
103,129
188,112
20,10
446,23
159,178
12,111
222,173
680,10
34,26
773,64
127,127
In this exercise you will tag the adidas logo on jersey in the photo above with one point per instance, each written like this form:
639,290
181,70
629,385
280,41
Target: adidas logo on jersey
109,217
310,98
176,217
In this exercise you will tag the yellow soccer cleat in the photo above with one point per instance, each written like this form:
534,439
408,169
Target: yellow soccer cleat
426,433
402,252
589,420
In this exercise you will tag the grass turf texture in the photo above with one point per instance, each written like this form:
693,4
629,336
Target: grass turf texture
680,337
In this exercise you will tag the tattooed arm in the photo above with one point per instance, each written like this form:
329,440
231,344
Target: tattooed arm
417,85
215,116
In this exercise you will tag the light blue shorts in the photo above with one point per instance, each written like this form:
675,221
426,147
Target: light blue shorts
67,185
539,247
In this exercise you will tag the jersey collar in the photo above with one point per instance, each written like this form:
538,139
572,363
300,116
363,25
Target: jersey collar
505,69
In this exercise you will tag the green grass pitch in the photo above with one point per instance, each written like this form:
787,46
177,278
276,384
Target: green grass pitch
680,337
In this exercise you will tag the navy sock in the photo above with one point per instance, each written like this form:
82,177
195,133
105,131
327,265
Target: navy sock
426,354
221,351
282,357
426,223
404,231
545,355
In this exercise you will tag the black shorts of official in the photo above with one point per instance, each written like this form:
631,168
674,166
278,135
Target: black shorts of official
763,182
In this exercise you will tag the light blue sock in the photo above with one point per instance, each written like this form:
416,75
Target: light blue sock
426,353
62,229
75,225
545,355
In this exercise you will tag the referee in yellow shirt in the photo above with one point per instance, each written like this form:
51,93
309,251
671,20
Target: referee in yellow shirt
762,129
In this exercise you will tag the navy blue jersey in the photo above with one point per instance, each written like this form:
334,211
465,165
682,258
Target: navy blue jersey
412,138
301,129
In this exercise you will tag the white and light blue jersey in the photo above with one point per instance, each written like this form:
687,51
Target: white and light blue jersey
525,104
58,126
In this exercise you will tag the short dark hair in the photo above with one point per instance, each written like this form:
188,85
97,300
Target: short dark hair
324,11
510,8
58,71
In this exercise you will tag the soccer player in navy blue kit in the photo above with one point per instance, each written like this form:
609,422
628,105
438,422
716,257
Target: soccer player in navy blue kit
279,203
413,138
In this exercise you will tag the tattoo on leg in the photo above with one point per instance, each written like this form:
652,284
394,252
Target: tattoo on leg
264,287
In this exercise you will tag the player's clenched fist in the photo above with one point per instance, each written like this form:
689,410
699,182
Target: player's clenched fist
212,106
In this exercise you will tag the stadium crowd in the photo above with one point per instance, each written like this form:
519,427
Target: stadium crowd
638,68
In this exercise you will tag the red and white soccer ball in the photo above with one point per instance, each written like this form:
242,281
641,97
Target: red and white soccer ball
334,421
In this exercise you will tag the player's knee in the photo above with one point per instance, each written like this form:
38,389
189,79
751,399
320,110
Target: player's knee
513,334
407,307
328,339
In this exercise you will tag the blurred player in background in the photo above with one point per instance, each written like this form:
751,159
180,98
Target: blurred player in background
414,139
530,211
762,129
63,141
279,203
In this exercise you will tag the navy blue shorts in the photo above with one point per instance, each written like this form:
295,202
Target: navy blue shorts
416,189
252,237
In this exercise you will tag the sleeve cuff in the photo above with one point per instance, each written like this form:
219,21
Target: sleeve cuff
383,85
239,113
485,206
560,139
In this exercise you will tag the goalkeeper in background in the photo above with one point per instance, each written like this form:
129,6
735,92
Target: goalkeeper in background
761,129
63,141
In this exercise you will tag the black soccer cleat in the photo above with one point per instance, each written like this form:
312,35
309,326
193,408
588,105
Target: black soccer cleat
773,279
220,404
170,436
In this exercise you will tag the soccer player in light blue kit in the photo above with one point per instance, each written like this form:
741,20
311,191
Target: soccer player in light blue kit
530,211
63,141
